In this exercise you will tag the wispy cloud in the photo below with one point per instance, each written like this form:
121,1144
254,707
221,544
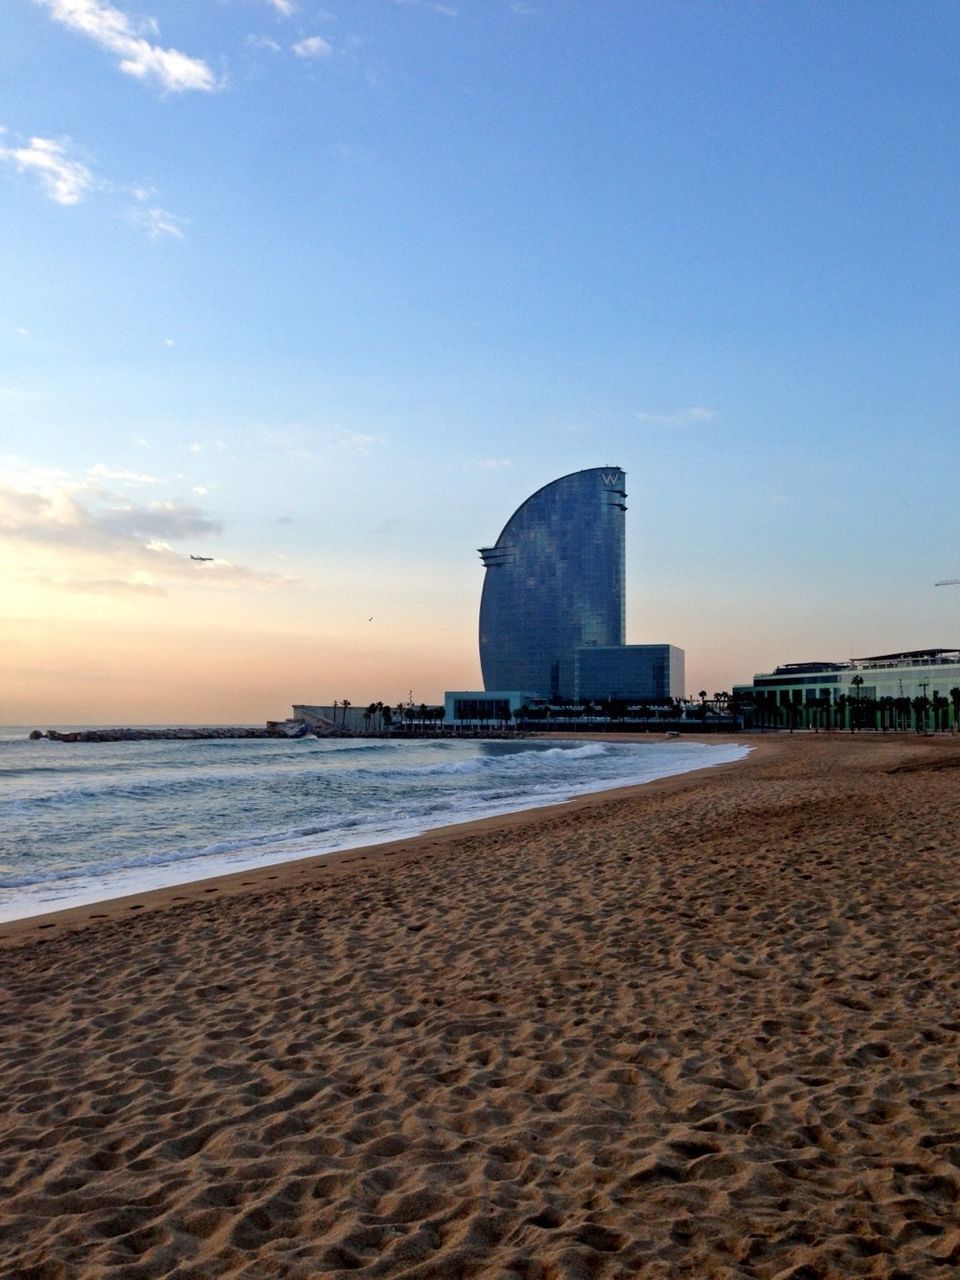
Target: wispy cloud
263,42
114,31
320,446
65,179
158,223
215,445
96,522
98,586
101,473
313,47
88,532
679,418
284,7
438,6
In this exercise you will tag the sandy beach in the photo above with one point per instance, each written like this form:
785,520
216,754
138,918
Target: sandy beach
709,1027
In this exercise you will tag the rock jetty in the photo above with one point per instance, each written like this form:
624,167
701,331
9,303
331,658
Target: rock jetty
272,729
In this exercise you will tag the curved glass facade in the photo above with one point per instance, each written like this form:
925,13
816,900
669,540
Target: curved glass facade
554,583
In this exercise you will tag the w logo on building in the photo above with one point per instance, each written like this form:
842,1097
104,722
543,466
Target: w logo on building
610,478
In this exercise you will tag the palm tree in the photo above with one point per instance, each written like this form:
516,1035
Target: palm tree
920,705
940,704
825,704
857,683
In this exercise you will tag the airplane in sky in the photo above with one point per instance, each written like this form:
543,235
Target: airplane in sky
201,557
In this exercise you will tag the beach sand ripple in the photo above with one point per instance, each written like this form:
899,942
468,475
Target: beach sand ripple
708,1028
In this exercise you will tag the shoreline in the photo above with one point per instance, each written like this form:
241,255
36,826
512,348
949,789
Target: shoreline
214,877
277,874
706,1026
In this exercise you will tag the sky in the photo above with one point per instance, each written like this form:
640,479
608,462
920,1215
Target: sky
325,291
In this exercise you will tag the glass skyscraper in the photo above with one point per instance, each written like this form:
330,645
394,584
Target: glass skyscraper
554,584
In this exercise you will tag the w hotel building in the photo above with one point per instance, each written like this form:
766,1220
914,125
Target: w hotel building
552,609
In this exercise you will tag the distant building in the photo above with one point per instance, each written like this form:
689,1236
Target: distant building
350,717
366,717
888,690
552,609
475,707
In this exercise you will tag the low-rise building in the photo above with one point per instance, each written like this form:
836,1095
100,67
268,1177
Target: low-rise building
477,708
917,689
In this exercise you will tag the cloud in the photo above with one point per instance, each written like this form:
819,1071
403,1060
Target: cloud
65,179
313,47
71,533
113,30
437,6
158,223
97,586
263,42
320,446
494,464
58,517
696,413
215,445
357,444
284,7
136,478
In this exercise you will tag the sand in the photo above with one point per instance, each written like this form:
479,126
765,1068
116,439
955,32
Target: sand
706,1028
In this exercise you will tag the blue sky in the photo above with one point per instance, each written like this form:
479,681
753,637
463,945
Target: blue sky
326,291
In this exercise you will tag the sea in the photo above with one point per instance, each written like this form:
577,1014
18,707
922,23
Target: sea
84,822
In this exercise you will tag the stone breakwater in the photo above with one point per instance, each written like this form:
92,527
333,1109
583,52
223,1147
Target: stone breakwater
272,729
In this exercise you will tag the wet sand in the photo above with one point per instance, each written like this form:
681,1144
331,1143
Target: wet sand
703,1028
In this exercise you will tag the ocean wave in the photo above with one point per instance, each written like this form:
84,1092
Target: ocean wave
533,758
224,810
166,857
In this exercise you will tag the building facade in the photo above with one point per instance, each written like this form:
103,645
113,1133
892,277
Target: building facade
629,673
554,583
470,706
916,689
